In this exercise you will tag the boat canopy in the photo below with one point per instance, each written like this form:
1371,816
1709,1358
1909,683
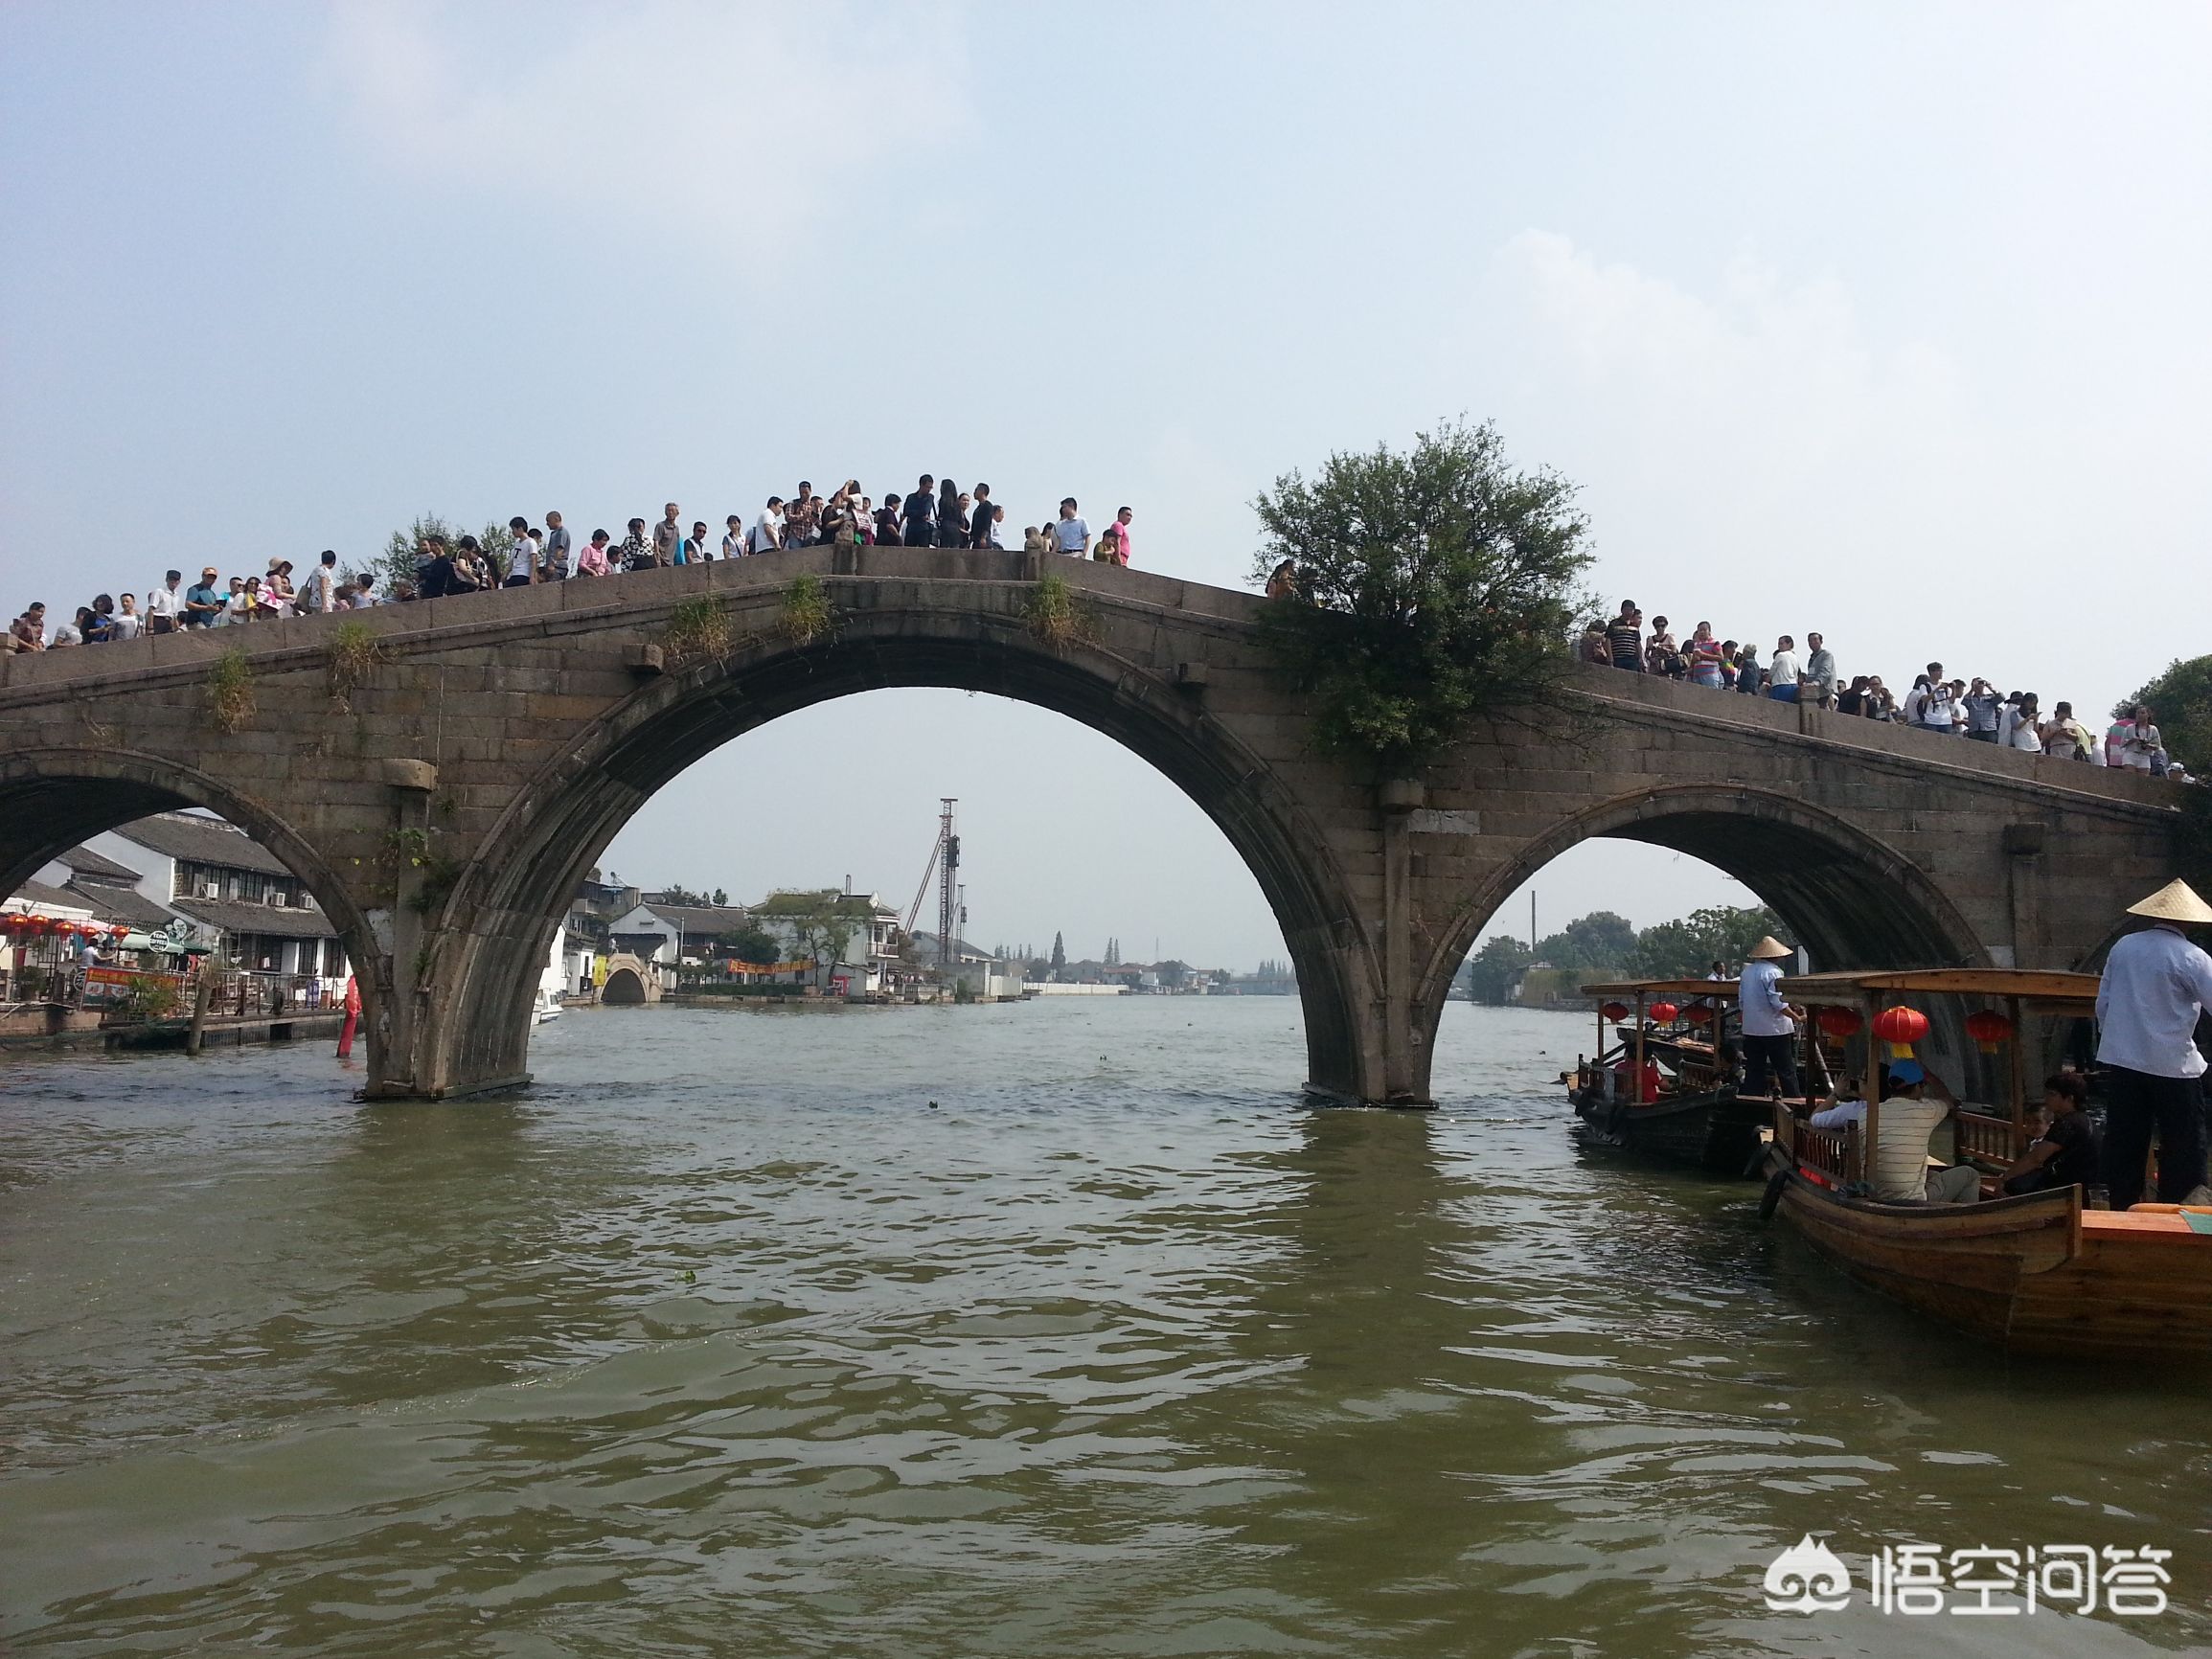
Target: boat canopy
1663,987
2049,990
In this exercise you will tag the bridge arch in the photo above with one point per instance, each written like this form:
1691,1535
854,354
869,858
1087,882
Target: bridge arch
52,799
503,913
1854,901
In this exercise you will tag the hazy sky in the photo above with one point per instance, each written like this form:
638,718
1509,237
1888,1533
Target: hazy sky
1886,321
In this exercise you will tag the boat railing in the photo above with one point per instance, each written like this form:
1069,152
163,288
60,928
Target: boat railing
1986,1139
1836,1156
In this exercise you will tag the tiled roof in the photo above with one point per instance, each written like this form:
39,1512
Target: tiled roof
705,920
38,896
234,917
112,903
83,861
201,841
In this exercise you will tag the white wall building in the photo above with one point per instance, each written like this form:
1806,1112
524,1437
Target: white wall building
232,891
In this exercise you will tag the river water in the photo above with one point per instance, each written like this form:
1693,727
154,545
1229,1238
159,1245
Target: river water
1057,1328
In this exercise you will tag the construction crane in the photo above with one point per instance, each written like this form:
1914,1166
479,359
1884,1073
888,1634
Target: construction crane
944,865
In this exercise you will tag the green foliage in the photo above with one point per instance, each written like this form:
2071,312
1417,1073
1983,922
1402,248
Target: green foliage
696,627
822,923
2180,703
354,650
230,690
807,613
1598,940
1053,614
403,551
147,998
754,945
680,894
1492,973
1058,953
1430,585
1688,948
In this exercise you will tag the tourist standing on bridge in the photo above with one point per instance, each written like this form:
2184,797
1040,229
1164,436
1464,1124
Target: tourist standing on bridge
1816,685
887,523
1122,519
981,517
668,537
127,623
635,552
734,537
1782,670
1750,680
1625,634
1703,657
320,595
522,562
592,560
165,605
27,631
2156,988
1984,712
919,522
951,528
1069,532
769,528
2066,739
203,602
1769,1051
802,516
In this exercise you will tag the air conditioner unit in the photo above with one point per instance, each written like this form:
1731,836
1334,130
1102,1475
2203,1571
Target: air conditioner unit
278,901
211,890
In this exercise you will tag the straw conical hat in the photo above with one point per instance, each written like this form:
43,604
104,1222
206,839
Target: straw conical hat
1769,950
2176,902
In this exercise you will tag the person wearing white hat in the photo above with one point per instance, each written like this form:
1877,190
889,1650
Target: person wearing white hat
1769,1031
2156,986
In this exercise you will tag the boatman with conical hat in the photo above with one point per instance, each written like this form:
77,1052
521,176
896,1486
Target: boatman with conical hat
1769,1031
2156,986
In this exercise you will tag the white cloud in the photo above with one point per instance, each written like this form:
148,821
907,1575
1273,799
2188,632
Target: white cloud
743,122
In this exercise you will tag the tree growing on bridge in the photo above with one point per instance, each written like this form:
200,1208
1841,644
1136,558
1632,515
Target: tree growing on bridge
405,549
1430,585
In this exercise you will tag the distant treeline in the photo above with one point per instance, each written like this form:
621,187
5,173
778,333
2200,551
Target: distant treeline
1604,942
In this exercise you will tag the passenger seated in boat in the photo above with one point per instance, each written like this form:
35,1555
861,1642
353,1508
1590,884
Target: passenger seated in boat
1901,1171
1848,1108
1624,1089
2069,1150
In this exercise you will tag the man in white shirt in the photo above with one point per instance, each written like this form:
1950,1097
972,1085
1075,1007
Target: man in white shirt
2156,988
769,528
1070,535
126,624
164,605
1782,670
1769,1031
318,594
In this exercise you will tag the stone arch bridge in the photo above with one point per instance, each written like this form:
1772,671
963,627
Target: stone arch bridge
443,811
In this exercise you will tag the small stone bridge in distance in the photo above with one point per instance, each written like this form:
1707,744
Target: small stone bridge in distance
444,816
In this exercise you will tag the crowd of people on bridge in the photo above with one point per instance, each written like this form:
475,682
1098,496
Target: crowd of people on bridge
1976,709
935,513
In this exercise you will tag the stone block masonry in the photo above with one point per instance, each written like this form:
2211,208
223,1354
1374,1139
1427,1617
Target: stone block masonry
532,732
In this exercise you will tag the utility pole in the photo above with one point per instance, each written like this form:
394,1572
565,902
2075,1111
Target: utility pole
948,881
1532,921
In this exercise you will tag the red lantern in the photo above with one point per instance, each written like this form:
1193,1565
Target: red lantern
1616,1012
1663,1012
1840,1023
1900,1028
1988,1028
1699,1013
117,929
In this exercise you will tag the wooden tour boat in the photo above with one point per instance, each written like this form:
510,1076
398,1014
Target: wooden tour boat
1677,1029
2039,1273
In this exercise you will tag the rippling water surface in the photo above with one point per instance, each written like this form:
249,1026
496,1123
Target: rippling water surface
1060,1328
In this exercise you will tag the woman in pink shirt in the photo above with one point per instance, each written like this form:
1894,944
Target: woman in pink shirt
592,560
